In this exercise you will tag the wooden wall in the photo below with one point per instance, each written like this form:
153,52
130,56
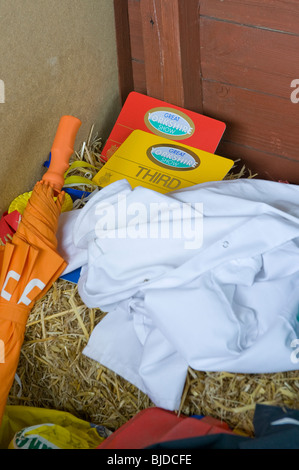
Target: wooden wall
231,60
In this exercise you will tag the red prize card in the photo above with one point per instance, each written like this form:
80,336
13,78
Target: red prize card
13,219
5,231
8,225
165,120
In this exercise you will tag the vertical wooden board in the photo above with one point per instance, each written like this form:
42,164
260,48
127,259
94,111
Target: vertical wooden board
139,77
254,119
191,54
249,57
153,47
265,165
136,37
181,53
171,43
171,47
282,15
125,72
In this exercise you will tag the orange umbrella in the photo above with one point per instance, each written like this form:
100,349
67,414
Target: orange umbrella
30,263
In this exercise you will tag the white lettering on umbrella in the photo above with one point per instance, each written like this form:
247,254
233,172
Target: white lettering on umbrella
10,275
30,286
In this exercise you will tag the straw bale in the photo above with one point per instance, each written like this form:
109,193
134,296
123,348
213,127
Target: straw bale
53,372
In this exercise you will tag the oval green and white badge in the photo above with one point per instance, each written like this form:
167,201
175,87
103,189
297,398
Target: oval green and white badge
169,123
173,157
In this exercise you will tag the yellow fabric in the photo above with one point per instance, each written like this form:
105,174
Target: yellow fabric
19,203
27,427
76,180
79,164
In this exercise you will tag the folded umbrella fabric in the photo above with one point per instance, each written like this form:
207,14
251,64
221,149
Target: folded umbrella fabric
206,277
29,265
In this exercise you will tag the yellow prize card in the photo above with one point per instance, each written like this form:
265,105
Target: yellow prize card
161,164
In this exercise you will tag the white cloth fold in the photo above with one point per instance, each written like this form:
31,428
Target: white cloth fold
211,281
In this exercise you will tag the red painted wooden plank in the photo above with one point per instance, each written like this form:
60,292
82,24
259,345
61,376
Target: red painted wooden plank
249,57
153,46
257,120
136,36
191,54
282,15
139,77
125,72
267,166
171,48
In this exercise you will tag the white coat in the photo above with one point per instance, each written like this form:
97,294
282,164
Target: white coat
225,300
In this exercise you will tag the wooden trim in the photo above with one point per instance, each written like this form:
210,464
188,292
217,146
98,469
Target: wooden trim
278,15
125,71
153,47
189,18
137,49
172,53
171,50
